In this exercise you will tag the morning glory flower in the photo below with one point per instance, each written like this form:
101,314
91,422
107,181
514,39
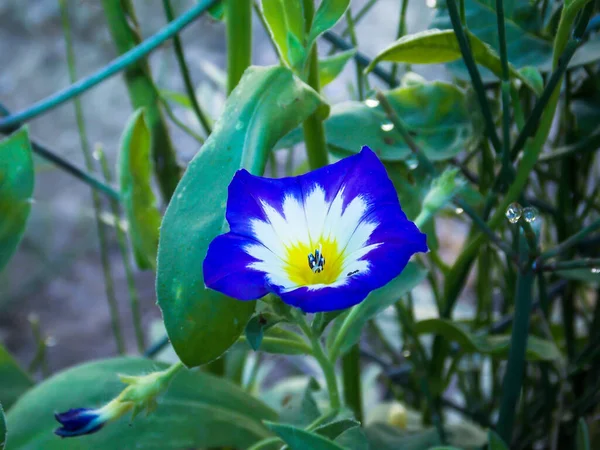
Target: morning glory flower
321,241
80,421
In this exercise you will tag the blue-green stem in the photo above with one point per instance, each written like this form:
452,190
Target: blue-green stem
401,31
185,72
314,131
515,368
326,363
359,73
238,17
116,66
143,93
65,165
134,300
171,115
465,49
89,163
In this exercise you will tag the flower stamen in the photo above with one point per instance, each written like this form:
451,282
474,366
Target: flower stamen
316,261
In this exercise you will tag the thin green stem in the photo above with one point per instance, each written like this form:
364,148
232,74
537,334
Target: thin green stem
314,131
326,363
401,31
238,17
116,66
359,15
572,240
505,88
359,73
465,49
185,72
89,163
134,300
588,144
171,115
574,264
65,165
515,368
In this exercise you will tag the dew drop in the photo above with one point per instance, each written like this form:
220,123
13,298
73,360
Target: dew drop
97,155
431,3
595,269
412,163
459,210
530,214
372,103
514,212
387,126
406,353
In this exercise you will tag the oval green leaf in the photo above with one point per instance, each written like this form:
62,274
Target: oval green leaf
267,103
327,15
496,345
441,46
591,275
299,439
135,177
197,411
16,189
14,381
348,327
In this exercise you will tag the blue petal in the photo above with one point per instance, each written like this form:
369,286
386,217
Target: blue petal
77,422
226,268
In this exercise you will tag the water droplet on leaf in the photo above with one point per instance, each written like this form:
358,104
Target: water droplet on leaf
387,126
530,214
459,210
595,269
514,212
372,103
412,163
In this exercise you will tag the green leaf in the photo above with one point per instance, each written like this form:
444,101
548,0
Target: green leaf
591,275
436,114
16,189
267,103
583,435
217,11
386,437
331,66
441,46
255,331
299,439
353,439
280,341
333,429
495,442
2,429
139,202
14,381
197,411
496,345
299,407
348,327
328,14
285,20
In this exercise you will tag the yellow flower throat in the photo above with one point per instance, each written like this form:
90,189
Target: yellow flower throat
308,264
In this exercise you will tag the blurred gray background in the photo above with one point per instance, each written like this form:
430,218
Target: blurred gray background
56,273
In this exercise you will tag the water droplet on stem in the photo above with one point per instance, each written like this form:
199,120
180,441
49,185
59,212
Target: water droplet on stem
514,212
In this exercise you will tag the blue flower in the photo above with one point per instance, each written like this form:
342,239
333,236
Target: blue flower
321,241
79,421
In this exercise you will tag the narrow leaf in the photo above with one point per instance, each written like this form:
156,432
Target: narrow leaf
14,381
135,177
16,189
583,435
328,14
299,439
331,66
202,324
495,441
2,428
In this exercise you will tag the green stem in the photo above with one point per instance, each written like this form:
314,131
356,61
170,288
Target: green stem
401,32
171,115
185,72
359,15
465,49
314,132
515,368
65,165
123,28
238,17
505,88
119,64
359,73
351,380
575,264
89,163
326,363
134,301
571,241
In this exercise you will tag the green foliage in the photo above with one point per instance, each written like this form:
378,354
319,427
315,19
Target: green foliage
495,442
299,439
497,345
348,327
332,66
328,14
16,189
202,323
286,25
198,410
3,432
15,380
135,177
583,435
